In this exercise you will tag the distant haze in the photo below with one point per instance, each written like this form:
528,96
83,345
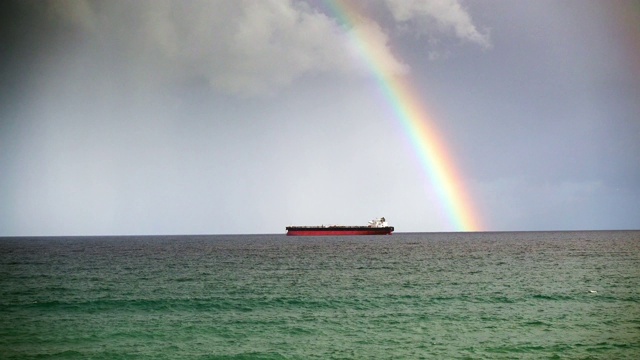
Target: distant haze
198,117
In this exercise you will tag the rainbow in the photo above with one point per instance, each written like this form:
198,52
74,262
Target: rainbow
433,155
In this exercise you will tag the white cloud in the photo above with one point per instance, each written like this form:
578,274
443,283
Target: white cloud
242,47
448,15
370,35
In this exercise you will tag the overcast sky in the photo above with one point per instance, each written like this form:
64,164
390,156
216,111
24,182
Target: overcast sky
218,117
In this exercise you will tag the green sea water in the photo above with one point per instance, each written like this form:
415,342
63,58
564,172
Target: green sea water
526,295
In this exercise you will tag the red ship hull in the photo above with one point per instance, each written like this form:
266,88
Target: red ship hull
338,230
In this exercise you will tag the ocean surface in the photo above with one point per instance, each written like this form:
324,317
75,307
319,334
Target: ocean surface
508,295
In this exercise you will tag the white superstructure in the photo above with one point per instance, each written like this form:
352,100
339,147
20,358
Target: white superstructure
378,223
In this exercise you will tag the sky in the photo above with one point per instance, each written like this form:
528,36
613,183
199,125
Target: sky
240,117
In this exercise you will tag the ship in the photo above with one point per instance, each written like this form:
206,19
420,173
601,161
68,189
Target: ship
374,227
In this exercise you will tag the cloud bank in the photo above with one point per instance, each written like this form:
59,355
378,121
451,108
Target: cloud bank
242,47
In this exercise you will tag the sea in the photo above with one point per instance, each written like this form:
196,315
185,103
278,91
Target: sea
486,295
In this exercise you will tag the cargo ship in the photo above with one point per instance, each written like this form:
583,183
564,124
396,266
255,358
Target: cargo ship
375,227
